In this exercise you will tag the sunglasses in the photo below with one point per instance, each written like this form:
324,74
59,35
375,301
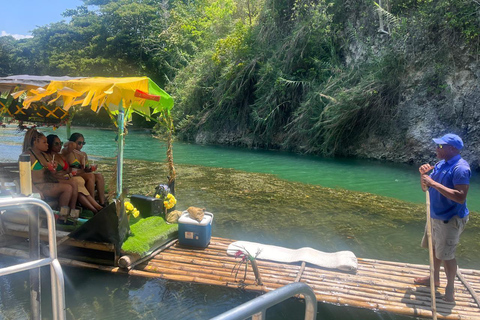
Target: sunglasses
58,143
81,143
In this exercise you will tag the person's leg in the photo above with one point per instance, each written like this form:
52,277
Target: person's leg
100,183
83,199
94,203
61,191
436,273
436,262
451,272
74,197
453,229
89,182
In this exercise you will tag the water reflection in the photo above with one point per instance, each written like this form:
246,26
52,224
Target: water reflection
392,180
247,206
98,295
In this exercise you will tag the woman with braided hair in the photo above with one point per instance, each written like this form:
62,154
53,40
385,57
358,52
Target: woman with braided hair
43,182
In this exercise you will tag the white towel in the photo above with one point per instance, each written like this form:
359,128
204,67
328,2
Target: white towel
342,260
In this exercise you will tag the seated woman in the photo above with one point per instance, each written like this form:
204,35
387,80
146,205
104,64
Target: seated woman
79,159
64,174
43,182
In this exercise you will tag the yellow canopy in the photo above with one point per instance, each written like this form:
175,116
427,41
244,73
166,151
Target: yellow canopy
137,93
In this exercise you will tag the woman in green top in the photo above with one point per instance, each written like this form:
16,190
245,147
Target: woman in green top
79,159
43,182
64,174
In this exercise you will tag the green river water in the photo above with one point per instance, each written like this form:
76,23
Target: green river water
372,208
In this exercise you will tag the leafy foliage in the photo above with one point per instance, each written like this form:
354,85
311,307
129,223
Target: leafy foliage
304,75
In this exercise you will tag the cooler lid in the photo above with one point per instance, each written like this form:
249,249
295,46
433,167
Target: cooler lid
185,219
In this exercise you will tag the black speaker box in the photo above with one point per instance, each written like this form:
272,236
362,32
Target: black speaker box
148,206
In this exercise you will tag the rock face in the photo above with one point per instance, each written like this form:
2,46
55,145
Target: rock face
440,91
422,116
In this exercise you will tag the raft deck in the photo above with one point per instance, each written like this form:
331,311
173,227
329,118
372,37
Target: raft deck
377,285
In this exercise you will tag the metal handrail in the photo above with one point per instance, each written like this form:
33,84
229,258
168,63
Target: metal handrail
258,306
56,273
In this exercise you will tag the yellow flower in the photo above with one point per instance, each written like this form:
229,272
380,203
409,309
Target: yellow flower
170,201
157,196
131,210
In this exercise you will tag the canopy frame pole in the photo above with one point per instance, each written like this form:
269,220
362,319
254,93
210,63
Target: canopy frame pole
120,140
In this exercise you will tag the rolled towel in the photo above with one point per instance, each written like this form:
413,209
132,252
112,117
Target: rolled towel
342,260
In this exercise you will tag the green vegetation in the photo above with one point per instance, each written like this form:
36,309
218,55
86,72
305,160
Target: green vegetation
262,208
311,76
147,233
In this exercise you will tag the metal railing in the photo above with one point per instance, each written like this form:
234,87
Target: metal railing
56,272
257,307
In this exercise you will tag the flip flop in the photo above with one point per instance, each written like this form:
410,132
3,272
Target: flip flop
424,282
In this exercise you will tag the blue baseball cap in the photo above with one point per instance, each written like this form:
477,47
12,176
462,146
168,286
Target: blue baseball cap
450,139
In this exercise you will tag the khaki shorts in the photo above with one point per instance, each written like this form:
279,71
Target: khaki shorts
445,236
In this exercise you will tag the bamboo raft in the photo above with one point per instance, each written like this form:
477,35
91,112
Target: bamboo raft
377,285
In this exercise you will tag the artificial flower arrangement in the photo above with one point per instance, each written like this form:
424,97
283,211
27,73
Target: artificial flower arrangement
131,210
246,257
169,201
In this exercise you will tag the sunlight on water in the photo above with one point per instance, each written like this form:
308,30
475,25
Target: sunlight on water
392,180
263,196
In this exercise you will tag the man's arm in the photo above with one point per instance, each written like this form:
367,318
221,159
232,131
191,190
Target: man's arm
424,169
457,194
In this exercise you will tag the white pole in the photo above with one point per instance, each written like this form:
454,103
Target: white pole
120,123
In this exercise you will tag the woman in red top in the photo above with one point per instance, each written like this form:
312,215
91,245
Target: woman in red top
64,174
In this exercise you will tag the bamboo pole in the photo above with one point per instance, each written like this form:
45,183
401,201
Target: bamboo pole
402,280
126,261
363,290
374,272
468,286
154,253
327,295
431,258
121,139
224,270
266,275
332,288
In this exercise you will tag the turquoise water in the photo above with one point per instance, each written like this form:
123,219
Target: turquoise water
99,295
398,181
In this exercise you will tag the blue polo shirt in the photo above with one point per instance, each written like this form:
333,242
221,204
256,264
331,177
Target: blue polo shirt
449,173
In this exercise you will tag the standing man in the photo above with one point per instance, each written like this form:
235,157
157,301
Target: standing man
448,187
